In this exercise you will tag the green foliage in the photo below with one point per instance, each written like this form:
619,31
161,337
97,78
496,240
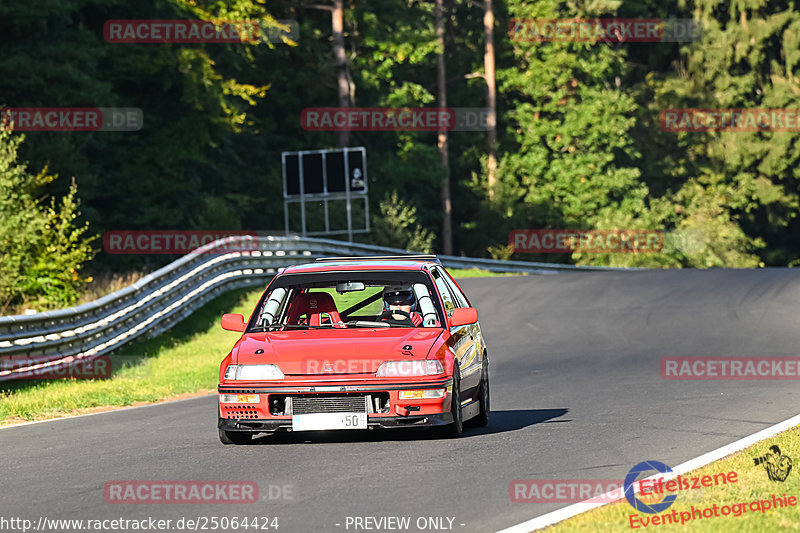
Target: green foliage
736,189
503,253
579,140
573,160
42,248
576,132
396,226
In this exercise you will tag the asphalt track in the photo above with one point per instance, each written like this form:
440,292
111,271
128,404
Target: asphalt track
576,393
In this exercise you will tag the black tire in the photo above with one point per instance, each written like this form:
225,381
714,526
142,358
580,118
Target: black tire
455,429
235,437
232,437
482,418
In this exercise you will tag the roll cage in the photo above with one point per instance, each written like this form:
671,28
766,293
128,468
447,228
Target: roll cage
282,303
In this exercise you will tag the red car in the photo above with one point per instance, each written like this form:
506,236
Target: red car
355,343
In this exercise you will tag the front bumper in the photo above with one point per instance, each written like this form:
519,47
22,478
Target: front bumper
383,422
263,417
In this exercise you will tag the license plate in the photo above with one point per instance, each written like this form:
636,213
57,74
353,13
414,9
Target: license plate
319,421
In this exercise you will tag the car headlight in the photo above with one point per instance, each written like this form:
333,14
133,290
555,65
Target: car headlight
253,372
429,367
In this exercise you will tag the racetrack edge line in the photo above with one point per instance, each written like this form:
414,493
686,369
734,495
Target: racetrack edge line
569,511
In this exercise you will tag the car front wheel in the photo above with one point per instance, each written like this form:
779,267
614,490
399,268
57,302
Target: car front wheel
483,397
232,437
457,427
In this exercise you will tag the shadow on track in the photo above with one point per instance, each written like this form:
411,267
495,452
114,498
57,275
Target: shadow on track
500,422
514,419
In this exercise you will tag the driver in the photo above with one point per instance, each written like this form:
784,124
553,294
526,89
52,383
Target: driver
400,300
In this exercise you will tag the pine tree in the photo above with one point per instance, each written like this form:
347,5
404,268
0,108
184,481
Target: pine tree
573,161
736,190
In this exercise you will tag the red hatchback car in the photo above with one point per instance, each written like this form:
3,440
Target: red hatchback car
355,343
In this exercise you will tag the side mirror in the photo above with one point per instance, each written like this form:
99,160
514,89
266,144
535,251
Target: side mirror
463,316
233,322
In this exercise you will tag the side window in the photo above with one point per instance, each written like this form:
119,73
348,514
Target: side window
444,290
461,300
274,306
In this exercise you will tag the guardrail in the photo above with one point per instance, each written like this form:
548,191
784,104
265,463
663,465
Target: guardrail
52,340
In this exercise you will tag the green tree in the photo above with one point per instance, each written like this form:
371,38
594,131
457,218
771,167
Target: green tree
42,248
570,160
397,226
193,163
737,190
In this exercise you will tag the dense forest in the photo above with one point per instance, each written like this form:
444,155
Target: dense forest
579,139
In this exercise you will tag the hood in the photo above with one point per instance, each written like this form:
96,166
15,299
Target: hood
335,351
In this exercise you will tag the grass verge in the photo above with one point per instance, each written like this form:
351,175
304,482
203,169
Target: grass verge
479,273
181,362
753,484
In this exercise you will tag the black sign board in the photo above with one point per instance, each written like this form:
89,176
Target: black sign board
325,172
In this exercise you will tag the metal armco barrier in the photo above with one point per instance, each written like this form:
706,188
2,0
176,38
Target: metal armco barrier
54,340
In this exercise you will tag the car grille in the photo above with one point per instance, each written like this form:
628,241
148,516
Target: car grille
340,403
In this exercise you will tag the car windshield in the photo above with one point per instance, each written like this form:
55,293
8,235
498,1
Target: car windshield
342,300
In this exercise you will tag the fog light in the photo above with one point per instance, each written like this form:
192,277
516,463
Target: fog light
421,394
238,398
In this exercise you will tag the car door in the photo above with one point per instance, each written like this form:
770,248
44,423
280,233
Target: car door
463,338
475,361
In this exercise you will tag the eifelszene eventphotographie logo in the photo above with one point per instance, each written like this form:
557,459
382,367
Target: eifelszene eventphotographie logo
630,479
777,465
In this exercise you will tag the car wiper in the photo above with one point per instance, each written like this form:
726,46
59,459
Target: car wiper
276,327
262,329
368,324
395,323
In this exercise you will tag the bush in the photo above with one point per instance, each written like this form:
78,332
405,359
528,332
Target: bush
41,247
396,226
